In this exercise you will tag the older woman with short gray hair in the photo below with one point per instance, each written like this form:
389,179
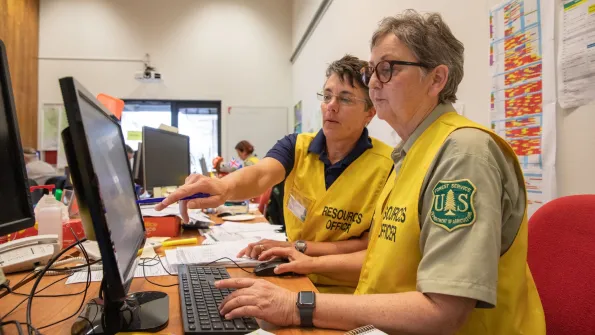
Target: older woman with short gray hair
448,246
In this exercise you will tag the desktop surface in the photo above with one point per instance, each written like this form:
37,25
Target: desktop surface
65,306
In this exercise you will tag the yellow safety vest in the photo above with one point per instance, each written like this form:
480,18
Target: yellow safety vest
391,264
343,211
252,160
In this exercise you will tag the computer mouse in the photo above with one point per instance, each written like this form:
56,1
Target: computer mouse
266,269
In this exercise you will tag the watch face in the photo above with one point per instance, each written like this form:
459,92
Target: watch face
300,246
306,298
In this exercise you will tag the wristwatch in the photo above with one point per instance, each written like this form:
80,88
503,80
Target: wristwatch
300,245
306,302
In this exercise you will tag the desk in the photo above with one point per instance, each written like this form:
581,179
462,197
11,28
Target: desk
49,310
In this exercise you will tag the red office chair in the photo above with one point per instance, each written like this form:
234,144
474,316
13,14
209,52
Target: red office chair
561,256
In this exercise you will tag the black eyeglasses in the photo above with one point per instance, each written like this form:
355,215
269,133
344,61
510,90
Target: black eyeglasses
384,70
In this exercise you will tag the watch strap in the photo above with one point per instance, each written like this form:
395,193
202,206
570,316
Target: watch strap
306,311
306,317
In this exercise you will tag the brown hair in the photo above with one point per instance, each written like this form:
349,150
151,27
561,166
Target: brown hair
348,68
245,146
431,41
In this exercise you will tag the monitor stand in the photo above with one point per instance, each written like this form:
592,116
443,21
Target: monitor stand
138,312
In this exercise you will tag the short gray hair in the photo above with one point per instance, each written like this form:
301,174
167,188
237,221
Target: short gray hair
348,68
431,42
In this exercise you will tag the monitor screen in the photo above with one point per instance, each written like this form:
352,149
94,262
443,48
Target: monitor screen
166,158
112,170
203,166
16,213
137,167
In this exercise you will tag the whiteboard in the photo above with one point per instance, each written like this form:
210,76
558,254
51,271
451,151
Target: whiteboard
261,126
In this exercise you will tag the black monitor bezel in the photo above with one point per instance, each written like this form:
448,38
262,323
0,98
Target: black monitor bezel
86,185
148,187
21,175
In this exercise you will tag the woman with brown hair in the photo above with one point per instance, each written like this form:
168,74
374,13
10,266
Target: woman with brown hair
245,151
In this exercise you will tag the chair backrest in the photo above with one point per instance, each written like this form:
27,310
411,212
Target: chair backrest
561,256
264,199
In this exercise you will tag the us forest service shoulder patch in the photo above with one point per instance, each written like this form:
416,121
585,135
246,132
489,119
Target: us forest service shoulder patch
452,204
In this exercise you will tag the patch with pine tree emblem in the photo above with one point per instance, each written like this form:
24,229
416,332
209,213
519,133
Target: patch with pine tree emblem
452,204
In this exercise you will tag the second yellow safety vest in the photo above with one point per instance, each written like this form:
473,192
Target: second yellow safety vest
344,211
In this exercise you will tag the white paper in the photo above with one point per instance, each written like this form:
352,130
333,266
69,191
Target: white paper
229,233
207,254
152,269
523,97
576,56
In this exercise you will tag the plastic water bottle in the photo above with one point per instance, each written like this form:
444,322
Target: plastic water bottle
50,213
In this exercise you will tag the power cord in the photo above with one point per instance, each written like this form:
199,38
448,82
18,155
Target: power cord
22,301
143,264
19,328
84,251
46,268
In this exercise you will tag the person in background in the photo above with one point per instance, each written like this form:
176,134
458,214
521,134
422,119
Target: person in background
130,154
245,151
37,169
448,247
332,178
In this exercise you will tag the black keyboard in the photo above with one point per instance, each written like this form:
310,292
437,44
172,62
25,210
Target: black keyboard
199,300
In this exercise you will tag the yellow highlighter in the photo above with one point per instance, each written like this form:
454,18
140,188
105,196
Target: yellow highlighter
184,241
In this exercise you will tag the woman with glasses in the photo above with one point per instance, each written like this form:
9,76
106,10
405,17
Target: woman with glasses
448,246
332,178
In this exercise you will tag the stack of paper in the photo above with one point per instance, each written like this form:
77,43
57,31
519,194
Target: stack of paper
231,231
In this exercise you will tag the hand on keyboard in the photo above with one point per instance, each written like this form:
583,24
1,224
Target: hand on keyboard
260,299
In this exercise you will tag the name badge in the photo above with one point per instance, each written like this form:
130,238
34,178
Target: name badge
297,208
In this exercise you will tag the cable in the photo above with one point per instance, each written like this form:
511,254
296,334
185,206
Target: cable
236,264
18,326
47,267
56,271
145,275
78,242
22,301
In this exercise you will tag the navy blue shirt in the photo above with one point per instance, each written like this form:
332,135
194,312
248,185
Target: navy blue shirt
284,152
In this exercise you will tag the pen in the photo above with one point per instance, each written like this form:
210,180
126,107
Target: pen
171,243
157,200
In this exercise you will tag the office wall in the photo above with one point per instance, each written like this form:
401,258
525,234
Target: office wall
19,29
345,29
230,50
302,13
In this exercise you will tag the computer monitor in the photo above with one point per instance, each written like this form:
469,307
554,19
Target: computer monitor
203,166
15,199
103,184
137,167
166,158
